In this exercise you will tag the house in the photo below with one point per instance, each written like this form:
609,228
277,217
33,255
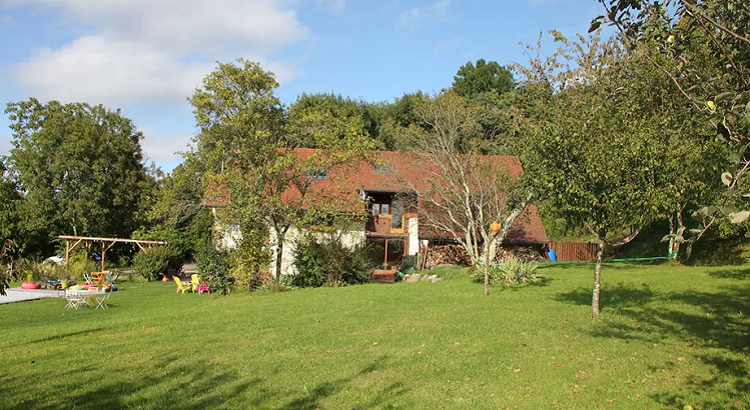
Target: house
384,187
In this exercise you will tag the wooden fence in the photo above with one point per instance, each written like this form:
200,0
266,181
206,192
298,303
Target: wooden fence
574,251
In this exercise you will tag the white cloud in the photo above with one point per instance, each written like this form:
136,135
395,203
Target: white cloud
188,26
97,69
156,50
162,147
418,16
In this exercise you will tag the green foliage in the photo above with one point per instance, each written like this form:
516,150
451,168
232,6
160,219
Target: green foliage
709,44
480,81
78,265
81,169
510,271
214,267
153,262
250,263
177,214
4,279
409,262
315,118
243,144
324,260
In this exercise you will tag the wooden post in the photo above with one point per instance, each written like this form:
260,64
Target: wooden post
103,250
67,252
385,256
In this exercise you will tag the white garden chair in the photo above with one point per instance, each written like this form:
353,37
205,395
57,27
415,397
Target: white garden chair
75,299
101,302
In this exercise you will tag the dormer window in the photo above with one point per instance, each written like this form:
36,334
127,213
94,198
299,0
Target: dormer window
383,167
320,173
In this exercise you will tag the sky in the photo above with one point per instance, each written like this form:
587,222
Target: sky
146,57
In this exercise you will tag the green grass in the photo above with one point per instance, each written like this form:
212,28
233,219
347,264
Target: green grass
668,336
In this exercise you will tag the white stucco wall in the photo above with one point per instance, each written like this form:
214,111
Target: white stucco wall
229,236
413,230
350,238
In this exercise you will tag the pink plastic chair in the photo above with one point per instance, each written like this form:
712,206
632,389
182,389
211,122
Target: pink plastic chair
202,288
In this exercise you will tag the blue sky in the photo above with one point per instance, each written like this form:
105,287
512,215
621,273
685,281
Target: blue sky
146,56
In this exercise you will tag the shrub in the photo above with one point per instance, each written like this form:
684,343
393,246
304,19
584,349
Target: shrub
153,262
511,271
326,261
78,265
249,264
4,279
213,265
409,262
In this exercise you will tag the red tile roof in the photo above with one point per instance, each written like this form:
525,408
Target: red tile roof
398,172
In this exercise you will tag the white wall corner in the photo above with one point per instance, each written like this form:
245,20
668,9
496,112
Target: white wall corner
413,229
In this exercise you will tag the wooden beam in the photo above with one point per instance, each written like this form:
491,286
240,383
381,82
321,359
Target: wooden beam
97,239
75,244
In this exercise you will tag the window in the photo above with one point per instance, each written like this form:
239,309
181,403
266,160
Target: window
321,173
397,212
384,167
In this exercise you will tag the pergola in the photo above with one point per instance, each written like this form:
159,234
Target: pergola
106,243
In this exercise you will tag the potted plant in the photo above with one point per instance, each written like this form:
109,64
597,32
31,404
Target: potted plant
30,284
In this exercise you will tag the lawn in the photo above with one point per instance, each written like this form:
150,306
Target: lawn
668,337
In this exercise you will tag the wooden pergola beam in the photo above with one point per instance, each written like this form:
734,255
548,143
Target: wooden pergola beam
97,239
88,240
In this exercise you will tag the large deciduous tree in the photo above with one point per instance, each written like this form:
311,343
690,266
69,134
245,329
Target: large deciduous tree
605,155
248,150
466,191
80,168
477,81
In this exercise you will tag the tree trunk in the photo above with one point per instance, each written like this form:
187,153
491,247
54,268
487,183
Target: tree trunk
487,270
597,279
279,254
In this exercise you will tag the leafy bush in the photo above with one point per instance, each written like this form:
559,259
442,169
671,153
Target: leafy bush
249,264
78,265
511,271
214,267
409,261
153,262
326,261
284,284
4,279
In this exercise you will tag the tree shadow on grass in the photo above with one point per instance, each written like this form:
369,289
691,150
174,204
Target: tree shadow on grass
174,383
189,385
546,281
311,399
738,274
64,335
611,297
717,321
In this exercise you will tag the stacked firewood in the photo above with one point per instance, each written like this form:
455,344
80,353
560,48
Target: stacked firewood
522,253
444,255
456,255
